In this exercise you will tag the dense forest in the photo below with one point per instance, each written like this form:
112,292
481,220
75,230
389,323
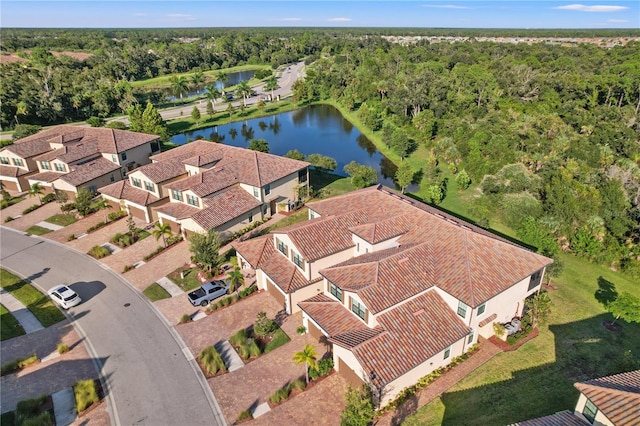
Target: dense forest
549,132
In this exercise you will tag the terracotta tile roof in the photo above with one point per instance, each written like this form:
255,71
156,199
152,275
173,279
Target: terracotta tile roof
50,155
28,149
178,210
124,191
426,319
47,176
12,171
487,320
224,206
250,167
321,237
283,273
205,159
161,172
332,316
562,418
77,151
86,172
207,182
617,396
253,249
385,229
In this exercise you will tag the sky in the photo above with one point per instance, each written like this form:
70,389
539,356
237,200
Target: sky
594,14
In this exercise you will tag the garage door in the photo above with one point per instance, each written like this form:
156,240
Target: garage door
138,213
349,374
315,331
271,288
8,185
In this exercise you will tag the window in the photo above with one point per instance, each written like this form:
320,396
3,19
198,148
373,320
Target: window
250,217
136,182
4,160
590,411
302,176
335,291
112,178
267,189
264,209
17,162
45,165
176,195
359,309
481,308
470,338
358,247
256,192
148,186
447,352
536,277
462,309
297,259
93,189
114,158
312,214
123,156
192,200
60,167
282,247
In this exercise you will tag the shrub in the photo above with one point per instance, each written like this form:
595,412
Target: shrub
95,227
298,384
239,338
264,326
30,412
86,394
17,364
499,330
127,268
71,237
280,395
211,360
42,419
173,239
99,252
301,330
243,352
245,415
185,319
116,238
116,215
65,208
247,291
324,367
8,219
153,253
4,204
48,198
254,349
30,209
63,348
226,301
212,307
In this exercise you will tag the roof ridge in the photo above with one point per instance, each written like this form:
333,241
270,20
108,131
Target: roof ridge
466,256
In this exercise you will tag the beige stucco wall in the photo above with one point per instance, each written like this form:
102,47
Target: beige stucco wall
27,164
600,420
304,294
362,247
139,154
284,187
250,189
143,178
348,358
191,170
328,261
162,187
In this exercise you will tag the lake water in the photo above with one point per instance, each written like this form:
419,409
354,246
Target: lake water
233,78
316,129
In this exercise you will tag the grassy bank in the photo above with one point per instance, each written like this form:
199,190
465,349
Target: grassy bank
165,80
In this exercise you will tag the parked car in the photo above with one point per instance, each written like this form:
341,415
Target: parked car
229,96
207,292
64,296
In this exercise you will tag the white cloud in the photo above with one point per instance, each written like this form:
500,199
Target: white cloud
445,6
617,21
594,8
339,19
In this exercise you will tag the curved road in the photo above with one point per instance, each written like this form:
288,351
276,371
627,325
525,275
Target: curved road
151,376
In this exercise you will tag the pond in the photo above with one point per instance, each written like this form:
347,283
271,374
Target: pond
233,78
316,129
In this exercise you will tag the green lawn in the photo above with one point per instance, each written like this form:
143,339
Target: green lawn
538,378
155,292
43,308
37,230
9,325
189,282
62,219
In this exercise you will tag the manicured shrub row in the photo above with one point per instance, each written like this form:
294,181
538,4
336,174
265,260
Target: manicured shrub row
185,319
245,415
243,231
8,219
325,366
409,392
283,393
116,215
63,348
99,252
66,208
174,239
32,208
86,394
18,364
30,412
229,300
211,361
96,227
48,198
264,337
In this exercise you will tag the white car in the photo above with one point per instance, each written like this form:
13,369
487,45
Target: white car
64,296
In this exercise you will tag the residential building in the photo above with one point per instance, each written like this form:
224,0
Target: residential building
395,287
606,401
66,158
205,185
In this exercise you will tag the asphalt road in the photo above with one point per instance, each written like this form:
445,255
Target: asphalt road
151,376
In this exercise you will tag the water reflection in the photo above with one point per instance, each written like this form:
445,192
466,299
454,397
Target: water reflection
231,80
315,129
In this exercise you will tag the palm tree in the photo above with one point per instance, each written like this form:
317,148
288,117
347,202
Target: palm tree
271,84
179,86
196,79
243,89
308,358
162,230
103,204
212,93
36,190
236,279
222,78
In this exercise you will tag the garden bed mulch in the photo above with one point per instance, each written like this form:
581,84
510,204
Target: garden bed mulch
505,346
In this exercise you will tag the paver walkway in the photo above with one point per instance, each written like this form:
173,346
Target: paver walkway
30,219
27,320
487,351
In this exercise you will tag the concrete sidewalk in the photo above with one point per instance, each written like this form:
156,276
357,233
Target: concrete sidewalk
64,406
171,288
24,316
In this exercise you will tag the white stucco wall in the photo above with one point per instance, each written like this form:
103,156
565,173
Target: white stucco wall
600,420
27,164
328,261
